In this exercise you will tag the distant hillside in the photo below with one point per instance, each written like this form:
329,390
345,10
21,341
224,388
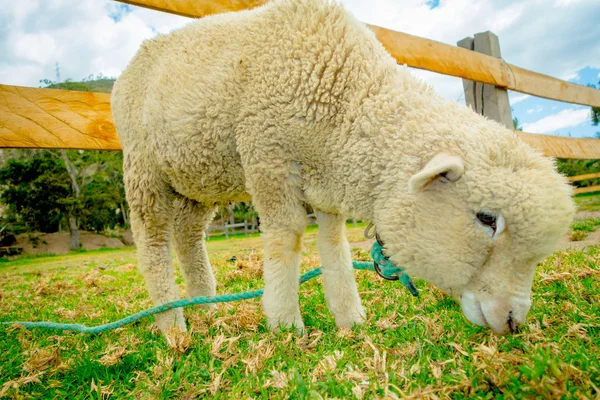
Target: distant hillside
102,85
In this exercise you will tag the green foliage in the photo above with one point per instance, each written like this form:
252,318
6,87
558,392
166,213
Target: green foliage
516,124
38,194
102,189
586,225
92,83
571,167
244,212
588,201
34,187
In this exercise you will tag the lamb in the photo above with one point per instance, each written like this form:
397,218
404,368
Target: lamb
297,102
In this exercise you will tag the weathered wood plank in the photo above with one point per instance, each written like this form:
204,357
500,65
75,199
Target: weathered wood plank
63,119
551,88
438,57
487,100
563,147
589,189
196,8
50,118
419,53
584,177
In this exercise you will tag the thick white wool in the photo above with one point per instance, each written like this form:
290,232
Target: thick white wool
297,101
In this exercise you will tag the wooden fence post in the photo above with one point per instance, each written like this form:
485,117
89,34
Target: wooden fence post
487,100
231,214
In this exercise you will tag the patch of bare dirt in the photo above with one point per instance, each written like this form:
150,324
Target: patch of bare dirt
587,215
364,245
58,243
593,239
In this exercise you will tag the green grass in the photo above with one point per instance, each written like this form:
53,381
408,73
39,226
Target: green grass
588,202
586,225
582,228
422,347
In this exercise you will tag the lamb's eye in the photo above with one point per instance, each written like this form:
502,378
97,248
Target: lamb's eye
487,220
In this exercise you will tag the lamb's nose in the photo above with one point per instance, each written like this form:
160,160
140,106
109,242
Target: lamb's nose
512,324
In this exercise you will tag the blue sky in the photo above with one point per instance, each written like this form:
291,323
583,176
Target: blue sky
536,114
119,11
559,38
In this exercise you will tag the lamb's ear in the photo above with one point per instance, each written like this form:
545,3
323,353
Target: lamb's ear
445,165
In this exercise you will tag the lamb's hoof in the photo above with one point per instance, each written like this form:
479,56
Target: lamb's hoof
277,324
351,318
167,320
209,307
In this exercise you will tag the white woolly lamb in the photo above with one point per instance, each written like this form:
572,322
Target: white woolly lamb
297,101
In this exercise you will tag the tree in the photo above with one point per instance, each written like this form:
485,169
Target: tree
516,124
47,190
34,185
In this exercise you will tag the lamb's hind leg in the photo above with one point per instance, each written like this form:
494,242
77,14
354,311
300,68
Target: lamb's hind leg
151,204
191,220
340,288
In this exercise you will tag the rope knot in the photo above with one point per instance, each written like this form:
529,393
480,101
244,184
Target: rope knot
386,269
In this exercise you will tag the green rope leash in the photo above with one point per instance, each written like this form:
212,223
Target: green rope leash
385,268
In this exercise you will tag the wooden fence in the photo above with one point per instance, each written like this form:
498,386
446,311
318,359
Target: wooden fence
585,177
50,118
230,229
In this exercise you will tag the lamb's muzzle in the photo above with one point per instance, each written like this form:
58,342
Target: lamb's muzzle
502,315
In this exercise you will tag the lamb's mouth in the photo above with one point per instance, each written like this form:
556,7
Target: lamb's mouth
473,309
485,321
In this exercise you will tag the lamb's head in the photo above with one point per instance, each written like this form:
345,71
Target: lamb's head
476,225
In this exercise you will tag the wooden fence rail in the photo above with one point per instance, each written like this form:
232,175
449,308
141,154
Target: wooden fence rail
63,119
230,229
52,119
589,189
584,177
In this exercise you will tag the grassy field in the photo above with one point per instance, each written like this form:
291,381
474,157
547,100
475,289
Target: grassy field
418,347
588,202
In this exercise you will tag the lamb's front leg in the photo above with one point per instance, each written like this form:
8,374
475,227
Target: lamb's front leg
281,274
341,292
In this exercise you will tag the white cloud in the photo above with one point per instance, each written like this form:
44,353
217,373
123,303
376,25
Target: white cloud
570,76
449,87
564,119
537,109
565,3
516,97
79,35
